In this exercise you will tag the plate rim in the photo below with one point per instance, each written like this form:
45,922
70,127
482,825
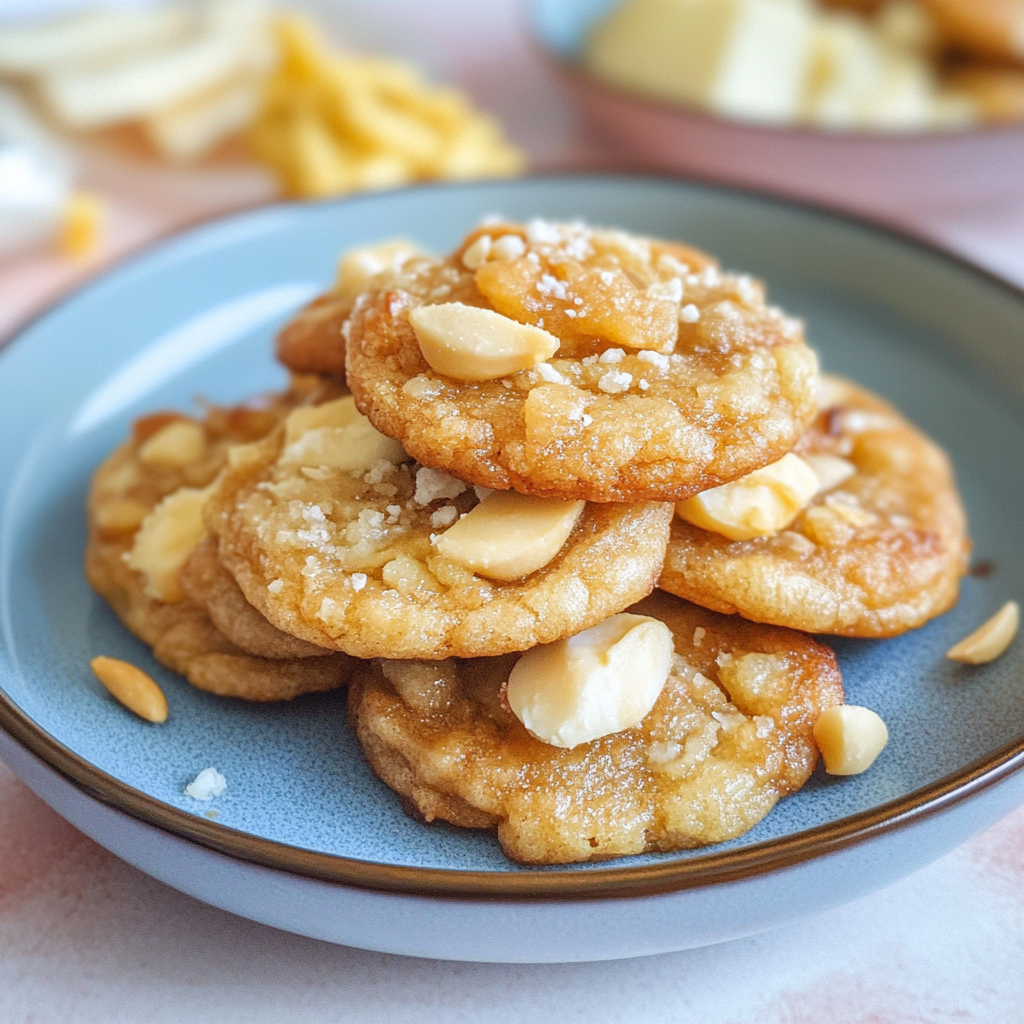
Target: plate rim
522,884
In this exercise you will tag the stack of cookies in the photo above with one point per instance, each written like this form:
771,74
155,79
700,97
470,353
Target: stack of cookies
483,467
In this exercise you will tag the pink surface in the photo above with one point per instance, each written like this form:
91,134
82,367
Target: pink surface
84,937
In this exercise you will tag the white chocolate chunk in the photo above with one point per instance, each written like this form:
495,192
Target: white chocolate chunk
849,738
990,640
180,443
338,413
599,682
743,58
831,471
758,504
166,538
336,435
359,266
509,535
469,343
475,255
121,516
409,576
508,247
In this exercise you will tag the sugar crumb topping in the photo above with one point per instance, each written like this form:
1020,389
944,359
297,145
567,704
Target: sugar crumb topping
614,382
432,484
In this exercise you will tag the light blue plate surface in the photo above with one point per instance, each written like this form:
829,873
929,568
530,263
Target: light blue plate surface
195,317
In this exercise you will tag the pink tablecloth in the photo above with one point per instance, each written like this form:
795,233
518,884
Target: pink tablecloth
84,937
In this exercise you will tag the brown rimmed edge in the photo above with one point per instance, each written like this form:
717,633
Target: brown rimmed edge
525,884
522,884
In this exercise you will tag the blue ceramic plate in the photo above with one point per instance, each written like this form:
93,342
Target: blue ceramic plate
195,316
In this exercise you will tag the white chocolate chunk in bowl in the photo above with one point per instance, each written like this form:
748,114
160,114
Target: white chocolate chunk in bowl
599,682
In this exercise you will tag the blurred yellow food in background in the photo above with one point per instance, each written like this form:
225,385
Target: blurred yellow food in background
82,225
190,76
332,123
838,65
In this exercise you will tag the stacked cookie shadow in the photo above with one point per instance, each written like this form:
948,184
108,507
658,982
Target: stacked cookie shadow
484,465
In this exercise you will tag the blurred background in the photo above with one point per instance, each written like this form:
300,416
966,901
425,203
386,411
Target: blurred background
121,120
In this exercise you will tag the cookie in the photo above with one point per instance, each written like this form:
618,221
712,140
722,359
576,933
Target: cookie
995,90
729,735
338,538
877,554
988,28
312,341
615,368
168,455
210,586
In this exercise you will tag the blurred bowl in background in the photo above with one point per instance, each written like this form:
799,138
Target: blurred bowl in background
900,176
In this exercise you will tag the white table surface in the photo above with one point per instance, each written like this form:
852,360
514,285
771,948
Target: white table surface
86,938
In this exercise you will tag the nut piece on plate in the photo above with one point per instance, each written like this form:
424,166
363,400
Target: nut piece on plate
879,547
470,343
173,606
131,687
510,535
989,641
599,682
399,560
725,736
758,504
850,738
574,362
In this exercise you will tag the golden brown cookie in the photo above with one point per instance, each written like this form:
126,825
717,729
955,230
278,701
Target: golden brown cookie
312,342
988,28
877,554
338,539
996,90
730,734
210,586
669,376
156,463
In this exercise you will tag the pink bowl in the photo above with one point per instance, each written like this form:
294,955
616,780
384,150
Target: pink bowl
898,176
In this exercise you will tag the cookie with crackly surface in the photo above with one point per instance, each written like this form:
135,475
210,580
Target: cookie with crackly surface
566,361
339,539
730,734
879,549
169,462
